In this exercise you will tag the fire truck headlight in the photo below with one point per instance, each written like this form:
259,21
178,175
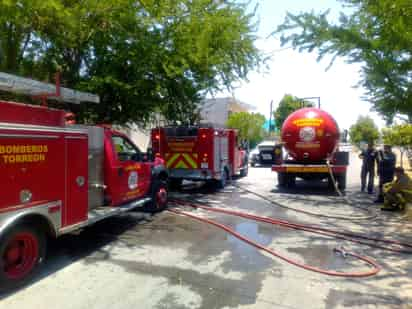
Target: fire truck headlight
25,196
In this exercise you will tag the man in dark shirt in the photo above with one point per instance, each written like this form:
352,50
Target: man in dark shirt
368,157
386,169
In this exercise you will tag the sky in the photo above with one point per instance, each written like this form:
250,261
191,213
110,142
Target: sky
300,74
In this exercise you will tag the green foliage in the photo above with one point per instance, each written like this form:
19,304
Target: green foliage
401,136
364,130
398,135
376,34
141,57
287,106
250,126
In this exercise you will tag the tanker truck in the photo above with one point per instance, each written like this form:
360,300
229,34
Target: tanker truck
309,150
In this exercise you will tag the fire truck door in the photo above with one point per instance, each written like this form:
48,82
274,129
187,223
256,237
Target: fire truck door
220,153
216,157
131,177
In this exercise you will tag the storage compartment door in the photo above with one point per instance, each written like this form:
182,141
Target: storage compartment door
76,207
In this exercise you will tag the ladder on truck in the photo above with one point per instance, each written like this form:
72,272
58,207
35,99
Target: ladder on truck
26,86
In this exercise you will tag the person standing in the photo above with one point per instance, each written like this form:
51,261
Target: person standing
386,169
368,157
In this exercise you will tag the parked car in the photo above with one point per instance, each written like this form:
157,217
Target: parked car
263,154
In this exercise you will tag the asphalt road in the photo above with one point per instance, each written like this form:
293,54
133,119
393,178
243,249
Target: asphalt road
169,261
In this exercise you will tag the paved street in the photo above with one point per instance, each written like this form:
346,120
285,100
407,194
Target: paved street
169,261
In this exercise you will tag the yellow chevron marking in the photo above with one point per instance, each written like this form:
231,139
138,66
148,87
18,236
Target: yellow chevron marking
181,164
190,160
172,159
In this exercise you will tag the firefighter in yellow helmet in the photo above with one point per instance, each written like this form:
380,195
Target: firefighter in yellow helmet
399,192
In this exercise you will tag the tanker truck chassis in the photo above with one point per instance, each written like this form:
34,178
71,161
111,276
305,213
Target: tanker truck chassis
289,170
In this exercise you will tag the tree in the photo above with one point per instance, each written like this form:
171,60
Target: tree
401,136
141,57
364,130
375,34
250,126
287,106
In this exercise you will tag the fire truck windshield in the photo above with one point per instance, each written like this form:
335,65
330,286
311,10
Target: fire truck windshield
181,131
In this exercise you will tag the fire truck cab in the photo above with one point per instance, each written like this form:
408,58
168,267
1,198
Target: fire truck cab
200,153
58,178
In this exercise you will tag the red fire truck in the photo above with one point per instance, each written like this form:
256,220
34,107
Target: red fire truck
201,153
57,178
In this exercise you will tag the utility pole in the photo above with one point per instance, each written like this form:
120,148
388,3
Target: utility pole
270,115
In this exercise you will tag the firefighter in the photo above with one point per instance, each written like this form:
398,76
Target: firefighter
386,169
399,192
368,157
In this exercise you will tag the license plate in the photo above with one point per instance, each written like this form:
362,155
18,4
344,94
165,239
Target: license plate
204,165
266,156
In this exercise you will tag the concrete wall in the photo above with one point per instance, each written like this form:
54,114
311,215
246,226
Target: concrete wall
217,111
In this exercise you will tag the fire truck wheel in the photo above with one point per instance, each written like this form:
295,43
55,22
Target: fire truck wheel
22,252
221,183
244,171
175,184
159,196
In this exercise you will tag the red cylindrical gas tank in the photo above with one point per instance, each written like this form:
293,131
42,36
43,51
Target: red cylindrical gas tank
310,135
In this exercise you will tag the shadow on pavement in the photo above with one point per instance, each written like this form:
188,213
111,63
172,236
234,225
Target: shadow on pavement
70,248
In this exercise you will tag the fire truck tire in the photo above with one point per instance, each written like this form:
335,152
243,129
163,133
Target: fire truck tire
175,184
22,252
159,195
244,171
221,183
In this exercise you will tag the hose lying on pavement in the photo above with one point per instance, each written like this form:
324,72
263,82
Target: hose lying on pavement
373,271
281,205
391,245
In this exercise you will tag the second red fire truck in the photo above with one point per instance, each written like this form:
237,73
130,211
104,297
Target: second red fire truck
57,178
201,153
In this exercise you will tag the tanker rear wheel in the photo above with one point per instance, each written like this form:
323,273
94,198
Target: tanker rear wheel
286,180
341,180
290,181
281,180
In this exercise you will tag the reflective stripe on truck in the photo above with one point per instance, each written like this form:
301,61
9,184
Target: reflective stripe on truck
181,160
